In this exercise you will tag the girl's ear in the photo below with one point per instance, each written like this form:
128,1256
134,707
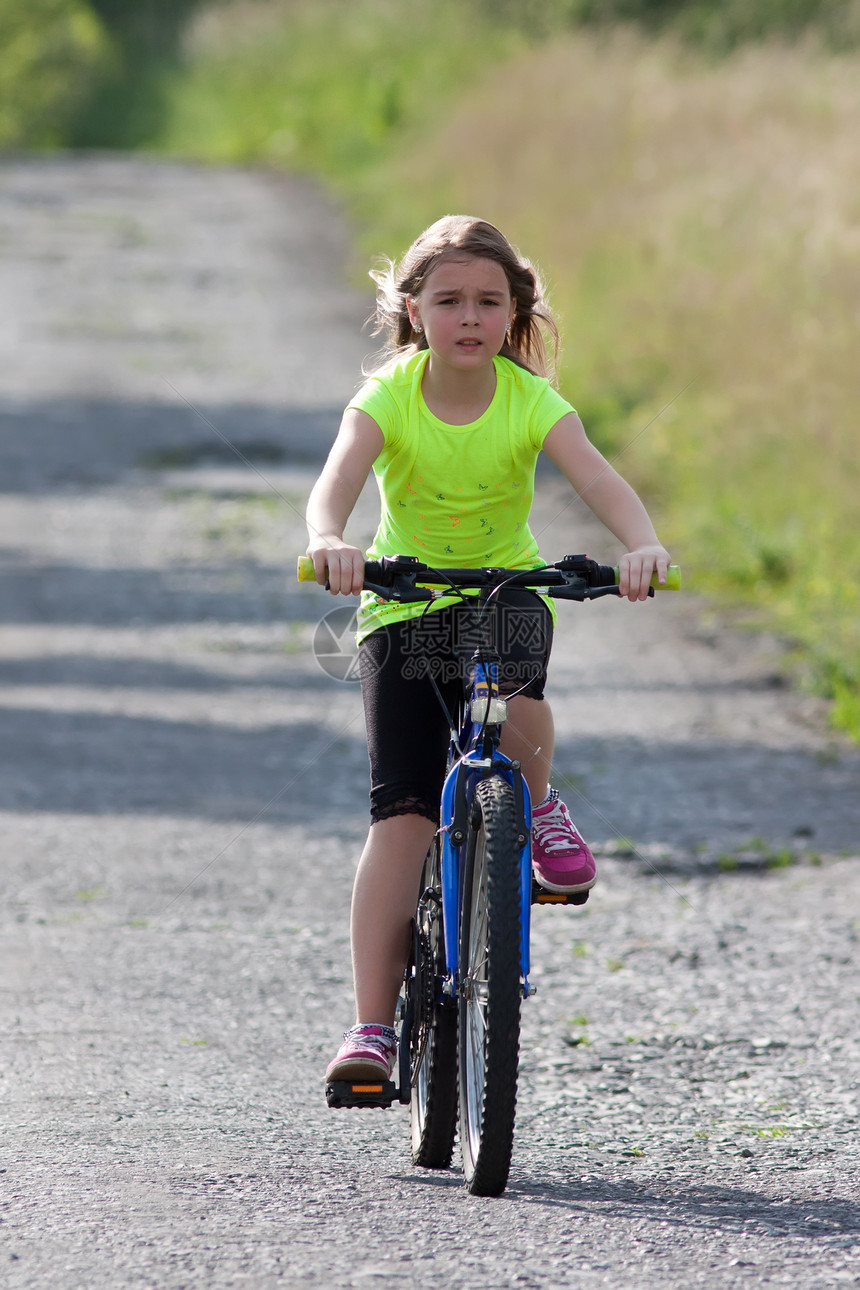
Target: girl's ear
414,313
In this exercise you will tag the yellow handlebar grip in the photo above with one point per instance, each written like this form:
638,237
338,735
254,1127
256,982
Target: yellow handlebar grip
305,569
672,583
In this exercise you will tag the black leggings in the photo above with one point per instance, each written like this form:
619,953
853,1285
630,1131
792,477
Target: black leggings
407,730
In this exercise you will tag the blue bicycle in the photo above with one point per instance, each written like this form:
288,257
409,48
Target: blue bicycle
469,967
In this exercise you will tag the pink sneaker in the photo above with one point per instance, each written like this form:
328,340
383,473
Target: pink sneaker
367,1053
560,859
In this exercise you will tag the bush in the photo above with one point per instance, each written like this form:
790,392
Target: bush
51,51
719,25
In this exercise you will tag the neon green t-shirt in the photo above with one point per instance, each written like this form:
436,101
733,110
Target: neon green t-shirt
455,495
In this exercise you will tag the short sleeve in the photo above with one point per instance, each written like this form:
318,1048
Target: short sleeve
549,408
378,402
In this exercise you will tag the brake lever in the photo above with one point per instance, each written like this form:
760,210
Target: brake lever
403,594
573,586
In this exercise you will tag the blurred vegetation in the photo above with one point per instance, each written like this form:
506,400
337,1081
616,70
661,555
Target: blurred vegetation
325,86
686,170
102,73
50,52
126,106
716,25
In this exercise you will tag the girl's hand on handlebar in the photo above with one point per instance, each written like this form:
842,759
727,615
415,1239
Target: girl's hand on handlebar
340,564
636,568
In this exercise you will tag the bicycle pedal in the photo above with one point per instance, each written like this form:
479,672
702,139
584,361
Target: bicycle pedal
347,1093
540,896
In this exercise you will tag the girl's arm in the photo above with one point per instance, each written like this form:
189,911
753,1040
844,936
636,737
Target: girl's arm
614,503
359,442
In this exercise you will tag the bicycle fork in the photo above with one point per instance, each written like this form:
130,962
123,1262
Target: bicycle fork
457,796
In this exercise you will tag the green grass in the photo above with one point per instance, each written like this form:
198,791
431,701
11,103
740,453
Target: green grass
323,87
91,893
764,855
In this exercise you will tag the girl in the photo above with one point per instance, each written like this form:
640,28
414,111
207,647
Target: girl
451,425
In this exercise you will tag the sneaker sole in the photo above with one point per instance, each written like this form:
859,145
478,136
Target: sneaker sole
358,1069
563,889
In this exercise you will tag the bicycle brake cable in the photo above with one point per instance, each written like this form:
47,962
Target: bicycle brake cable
455,591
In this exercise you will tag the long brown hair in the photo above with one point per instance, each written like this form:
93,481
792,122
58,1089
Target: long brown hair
463,234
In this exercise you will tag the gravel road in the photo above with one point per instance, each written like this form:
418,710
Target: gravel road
176,876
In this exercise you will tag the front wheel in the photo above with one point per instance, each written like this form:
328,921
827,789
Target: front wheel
490,989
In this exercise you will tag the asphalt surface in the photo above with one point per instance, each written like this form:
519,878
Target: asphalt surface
183,795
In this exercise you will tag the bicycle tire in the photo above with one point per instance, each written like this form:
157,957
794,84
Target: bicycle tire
433,1038
490,990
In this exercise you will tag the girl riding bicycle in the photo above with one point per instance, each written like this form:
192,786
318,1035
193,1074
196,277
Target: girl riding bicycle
451,424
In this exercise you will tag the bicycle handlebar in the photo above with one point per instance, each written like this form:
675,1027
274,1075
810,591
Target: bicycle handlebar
574,577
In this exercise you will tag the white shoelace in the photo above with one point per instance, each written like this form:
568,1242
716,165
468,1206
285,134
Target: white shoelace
379,1043
554,831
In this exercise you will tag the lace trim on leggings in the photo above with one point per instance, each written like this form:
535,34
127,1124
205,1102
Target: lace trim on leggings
532,690
405,804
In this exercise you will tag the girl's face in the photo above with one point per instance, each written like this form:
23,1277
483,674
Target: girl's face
465,308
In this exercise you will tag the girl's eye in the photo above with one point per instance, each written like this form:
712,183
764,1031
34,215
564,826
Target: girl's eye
454,300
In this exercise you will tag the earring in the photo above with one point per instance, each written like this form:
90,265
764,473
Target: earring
416,327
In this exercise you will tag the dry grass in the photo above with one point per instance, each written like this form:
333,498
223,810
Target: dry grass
700,222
